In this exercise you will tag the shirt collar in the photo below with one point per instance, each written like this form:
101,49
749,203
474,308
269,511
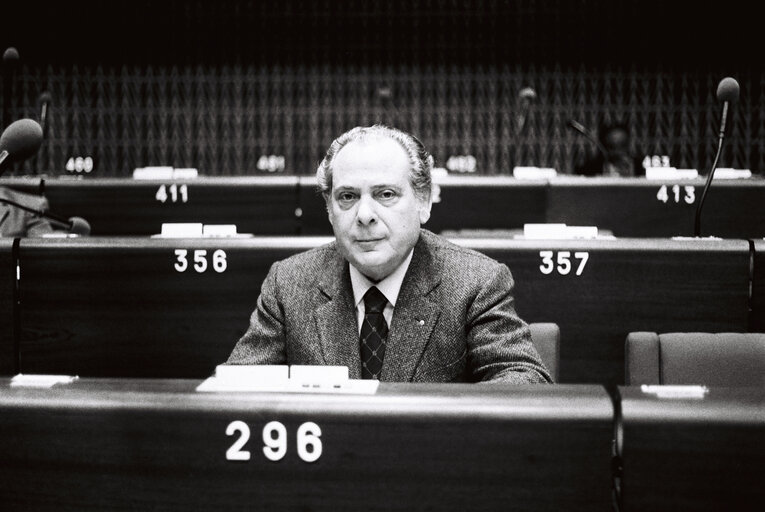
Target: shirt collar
390,286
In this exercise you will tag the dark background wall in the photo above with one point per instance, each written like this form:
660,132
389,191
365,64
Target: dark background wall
218,84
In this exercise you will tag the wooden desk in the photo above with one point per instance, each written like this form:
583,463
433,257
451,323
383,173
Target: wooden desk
692,454
98,445
460,203
634,207
625,285
119,307
119,207
757,323
7,307
290,205
123,307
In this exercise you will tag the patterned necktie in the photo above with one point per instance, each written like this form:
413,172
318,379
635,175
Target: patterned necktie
374,332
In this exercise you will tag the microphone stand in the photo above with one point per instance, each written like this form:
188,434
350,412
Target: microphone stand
697,224
65,223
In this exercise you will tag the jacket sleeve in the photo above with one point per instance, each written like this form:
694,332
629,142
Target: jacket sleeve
36,225
499,342
265,340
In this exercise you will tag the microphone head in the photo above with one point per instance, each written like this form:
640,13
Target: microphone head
79,226
728,90
528,94
45,97
578,127
21,139
10,55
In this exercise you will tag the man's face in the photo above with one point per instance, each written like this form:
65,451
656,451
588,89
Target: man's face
374,212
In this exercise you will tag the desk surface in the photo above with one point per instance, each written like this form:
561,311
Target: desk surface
693,454
158,444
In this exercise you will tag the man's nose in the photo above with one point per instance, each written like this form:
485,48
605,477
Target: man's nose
366,213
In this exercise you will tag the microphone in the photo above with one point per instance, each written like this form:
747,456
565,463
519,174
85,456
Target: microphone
10,56
75,225
588,135
727,92
45,103
10,61
20,140
527,95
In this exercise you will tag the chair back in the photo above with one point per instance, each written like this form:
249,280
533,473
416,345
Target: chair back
720,359
546,339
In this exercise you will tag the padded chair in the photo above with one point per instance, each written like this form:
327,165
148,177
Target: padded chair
546,339
724,359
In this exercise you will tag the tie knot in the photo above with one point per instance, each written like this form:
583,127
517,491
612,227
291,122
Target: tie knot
374,301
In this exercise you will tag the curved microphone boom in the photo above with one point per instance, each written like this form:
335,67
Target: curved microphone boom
45,104
727,92
20,140
588,135
76,225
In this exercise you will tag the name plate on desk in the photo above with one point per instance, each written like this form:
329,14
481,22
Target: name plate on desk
286,379
40,380
670,173
534,173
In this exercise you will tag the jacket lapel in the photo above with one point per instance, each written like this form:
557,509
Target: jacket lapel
414,317
335,318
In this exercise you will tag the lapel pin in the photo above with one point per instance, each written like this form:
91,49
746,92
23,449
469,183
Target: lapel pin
421,322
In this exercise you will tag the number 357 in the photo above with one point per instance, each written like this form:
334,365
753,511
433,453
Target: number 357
562,262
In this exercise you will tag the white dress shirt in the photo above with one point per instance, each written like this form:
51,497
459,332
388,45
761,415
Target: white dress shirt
390,287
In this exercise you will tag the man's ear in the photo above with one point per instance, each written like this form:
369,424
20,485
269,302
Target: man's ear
329,210
424,210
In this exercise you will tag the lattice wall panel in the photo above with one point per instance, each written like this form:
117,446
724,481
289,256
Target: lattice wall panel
222,119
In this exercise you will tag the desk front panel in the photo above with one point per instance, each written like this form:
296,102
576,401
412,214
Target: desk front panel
460,204
758,288
7,307
598,291
477,204
98,445
123,207
139,307
121,307
640,208
693,453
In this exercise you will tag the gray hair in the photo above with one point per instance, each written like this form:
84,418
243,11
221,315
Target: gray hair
421,161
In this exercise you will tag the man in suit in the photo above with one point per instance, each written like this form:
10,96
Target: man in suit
388,299
15,222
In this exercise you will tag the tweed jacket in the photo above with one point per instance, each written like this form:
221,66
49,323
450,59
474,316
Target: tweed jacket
15,222
454,319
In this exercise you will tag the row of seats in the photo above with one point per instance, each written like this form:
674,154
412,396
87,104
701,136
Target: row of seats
712,359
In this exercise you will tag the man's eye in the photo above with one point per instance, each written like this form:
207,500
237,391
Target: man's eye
387,194
345,197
